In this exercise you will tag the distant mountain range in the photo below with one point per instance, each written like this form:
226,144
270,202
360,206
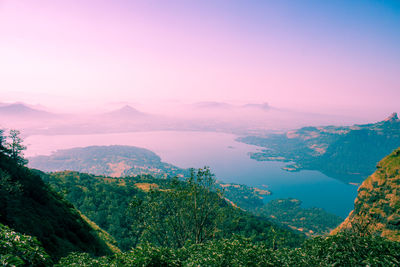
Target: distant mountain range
31,120
222,105
250,118
348,153
21,111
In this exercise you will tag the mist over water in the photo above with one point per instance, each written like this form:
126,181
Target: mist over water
227,158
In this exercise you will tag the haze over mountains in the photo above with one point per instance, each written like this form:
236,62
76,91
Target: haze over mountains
201,116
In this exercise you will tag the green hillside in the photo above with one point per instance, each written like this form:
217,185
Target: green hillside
106,201
348,153
377,206
30,207
310,221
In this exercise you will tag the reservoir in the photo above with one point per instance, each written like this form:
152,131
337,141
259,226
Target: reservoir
227,158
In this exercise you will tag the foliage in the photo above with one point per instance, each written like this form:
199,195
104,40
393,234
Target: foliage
29,206
84,260
243,196
339,250
2,141
18,250
350,250
16,147
118,206
189,210
103,200
310,221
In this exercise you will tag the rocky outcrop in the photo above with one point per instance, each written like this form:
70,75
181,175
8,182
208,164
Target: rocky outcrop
377,206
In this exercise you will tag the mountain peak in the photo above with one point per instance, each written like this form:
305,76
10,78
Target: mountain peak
21,109
392,117
128,108
126,111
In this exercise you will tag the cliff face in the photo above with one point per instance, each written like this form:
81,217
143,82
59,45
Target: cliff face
377,206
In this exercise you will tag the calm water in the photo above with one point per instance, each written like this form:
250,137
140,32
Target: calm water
227,158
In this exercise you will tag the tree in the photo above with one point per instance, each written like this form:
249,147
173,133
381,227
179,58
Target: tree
190,210
3,148
16,147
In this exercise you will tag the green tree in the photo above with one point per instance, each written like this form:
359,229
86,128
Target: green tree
190,210
3,145
16,147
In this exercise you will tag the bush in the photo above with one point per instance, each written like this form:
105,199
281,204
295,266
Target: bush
19,250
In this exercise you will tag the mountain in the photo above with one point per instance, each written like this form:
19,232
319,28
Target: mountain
31,207
263,106
23,111
347,153
126,112
213,105
377,206
392,118
115,161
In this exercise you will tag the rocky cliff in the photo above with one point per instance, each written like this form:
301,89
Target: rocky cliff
377,206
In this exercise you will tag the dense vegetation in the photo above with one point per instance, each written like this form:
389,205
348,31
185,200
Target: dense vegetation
340,250
311,221
30,207
286,212
349,154
17,249
109,203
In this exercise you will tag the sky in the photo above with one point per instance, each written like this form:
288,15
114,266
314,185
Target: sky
326,56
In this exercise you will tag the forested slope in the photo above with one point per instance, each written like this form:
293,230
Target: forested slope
29,206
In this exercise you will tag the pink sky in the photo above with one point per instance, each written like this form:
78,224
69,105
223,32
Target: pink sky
71,54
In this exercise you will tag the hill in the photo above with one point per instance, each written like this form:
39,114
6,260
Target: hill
114,161
23,111
30,207
348,153
125,113
377,206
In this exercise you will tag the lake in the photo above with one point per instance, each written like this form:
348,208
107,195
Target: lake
227,158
